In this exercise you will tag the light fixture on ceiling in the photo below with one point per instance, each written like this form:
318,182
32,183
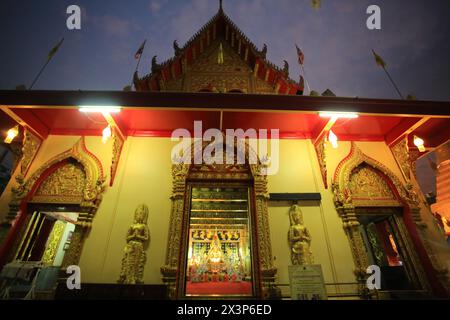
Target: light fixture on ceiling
106,134
11,134
333,139
419,143
337,115
101,109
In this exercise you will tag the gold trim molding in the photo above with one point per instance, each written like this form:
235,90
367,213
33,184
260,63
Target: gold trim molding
181,172
347,206
92,189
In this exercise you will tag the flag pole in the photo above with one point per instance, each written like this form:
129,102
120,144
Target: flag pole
393,83
135,70
139,52
39,74
50,57
306,80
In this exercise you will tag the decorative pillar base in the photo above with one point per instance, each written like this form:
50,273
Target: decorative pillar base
269,288
169,278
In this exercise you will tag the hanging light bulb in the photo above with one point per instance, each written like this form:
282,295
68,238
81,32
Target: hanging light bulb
11,134
419,143
106,134
333,139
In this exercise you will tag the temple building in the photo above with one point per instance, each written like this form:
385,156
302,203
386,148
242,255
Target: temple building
149,196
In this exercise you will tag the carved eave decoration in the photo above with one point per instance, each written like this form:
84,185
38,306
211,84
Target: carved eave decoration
220,26
91,190
31,144
321,157
118,142
401,154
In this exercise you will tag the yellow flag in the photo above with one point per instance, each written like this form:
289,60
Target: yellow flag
379,60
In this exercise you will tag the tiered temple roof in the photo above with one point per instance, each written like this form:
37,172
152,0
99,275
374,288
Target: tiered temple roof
219,27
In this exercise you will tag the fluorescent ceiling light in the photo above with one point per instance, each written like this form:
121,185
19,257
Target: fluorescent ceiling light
109,109
331,114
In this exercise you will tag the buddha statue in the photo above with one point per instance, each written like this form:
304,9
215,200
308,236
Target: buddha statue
134,258
299,238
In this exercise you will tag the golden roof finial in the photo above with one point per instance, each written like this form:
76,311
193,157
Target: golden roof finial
220,5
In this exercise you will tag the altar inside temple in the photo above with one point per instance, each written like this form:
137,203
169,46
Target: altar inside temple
219,259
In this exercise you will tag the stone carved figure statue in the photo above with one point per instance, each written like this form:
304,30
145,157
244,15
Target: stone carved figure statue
299,238
134,258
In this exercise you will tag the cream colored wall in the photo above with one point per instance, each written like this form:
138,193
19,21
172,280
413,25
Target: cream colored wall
144,176
299,172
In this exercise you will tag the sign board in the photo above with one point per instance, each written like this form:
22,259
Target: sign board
307,282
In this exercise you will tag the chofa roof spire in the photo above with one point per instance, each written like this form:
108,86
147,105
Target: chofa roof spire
220,5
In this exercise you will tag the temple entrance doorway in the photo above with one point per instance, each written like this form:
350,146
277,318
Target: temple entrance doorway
47,235
219,240
386,247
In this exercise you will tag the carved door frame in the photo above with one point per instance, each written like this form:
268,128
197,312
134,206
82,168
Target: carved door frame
181,174
24,195
349,207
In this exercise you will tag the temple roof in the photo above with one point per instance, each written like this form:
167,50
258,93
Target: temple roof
219,27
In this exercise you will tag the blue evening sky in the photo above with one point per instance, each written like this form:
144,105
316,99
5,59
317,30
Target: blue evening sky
414,41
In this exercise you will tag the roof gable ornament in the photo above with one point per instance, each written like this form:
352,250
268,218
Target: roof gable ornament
286,68
263,52
176,48
219,28
155,65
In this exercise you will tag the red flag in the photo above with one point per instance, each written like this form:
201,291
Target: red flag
301,56
140,50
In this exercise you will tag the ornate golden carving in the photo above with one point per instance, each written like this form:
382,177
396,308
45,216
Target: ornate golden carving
299,238
92,189
401,155
134,258
367,186
180,173
31,144
354,186
355,159
321,157
93,185
73,253
116,151
65,185
53,242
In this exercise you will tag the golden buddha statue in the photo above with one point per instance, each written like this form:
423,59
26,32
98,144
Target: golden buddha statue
299,238
134,258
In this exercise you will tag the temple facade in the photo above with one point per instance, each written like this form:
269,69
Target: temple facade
153,193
